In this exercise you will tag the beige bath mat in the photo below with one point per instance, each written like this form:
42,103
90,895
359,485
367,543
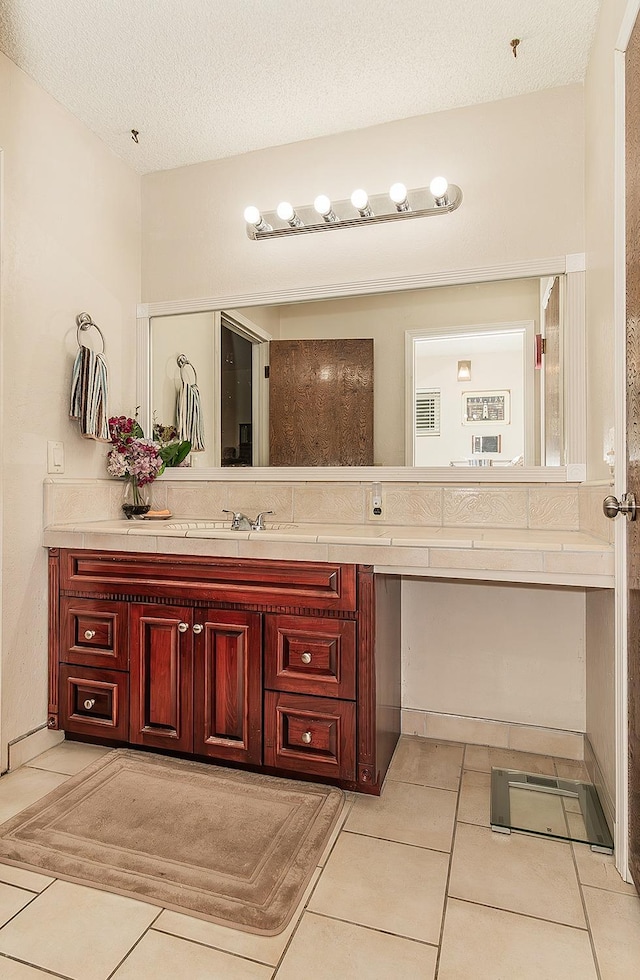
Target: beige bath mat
234,847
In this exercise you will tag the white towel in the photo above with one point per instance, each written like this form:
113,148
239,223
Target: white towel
189,416
89,393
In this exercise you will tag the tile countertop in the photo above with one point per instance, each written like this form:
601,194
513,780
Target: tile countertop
564,558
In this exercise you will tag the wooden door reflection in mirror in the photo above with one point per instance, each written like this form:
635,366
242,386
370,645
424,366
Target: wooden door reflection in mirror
321,403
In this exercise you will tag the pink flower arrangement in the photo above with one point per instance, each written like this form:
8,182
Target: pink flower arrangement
132,455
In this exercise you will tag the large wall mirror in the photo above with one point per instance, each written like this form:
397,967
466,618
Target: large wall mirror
471,376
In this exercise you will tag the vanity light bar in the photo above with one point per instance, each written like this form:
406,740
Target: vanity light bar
361,209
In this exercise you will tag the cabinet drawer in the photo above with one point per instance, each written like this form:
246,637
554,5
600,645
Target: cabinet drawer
311,655
311,735
94,702
305,585
94,633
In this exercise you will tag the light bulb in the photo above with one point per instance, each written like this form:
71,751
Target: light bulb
398,194
286,212
322,205
439,187
360,201
253,217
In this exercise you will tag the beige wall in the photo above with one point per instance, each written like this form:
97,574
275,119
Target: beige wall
519,163
71,242
599,230
507,653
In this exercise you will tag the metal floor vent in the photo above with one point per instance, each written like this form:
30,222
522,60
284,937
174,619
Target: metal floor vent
562,808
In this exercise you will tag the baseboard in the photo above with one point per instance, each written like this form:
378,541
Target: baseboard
499,734
28,746
595,775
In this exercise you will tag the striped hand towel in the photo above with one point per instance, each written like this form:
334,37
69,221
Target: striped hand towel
89,392
189,416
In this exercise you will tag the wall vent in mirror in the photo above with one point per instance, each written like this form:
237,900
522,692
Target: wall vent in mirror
440,197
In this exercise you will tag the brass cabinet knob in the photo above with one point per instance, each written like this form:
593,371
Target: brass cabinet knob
183,627
306,737
89,703
198,628
306,657
89,634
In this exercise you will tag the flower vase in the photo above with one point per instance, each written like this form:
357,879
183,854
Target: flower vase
136,499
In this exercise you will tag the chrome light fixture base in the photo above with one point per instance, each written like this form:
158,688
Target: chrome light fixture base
420,200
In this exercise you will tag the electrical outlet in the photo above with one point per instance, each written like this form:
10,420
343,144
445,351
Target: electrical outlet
375,503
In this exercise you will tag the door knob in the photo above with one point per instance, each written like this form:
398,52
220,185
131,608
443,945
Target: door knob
626,505
183,627
198,628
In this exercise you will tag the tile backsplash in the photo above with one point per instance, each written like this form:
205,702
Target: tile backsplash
540,506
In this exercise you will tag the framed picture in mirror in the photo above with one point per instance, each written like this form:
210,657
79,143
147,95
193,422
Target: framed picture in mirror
485,406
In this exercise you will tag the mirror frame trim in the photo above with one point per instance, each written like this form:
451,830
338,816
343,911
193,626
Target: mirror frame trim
572,266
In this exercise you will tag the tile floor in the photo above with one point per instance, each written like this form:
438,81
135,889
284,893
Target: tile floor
412,886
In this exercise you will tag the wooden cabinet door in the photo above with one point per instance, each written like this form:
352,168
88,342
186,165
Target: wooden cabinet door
228,685
161,666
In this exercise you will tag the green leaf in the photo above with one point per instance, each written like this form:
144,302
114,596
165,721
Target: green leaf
184,448
174,453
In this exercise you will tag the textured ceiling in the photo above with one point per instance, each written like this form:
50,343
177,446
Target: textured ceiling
205,79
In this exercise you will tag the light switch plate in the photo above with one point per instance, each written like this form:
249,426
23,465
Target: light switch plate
55,457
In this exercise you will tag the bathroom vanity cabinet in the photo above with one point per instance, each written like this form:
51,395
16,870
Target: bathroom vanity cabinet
292,667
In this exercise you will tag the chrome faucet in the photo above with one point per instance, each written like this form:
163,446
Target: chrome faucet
240,522
258,524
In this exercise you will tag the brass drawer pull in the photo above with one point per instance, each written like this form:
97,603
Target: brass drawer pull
306,737
89,703
306,657
89,634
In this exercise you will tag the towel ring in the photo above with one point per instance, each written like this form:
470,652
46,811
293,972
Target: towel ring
183,361
85,322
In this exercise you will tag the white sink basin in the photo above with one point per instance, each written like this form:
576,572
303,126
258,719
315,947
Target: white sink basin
223,526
